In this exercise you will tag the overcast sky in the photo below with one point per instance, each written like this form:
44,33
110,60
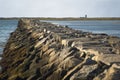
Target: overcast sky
59,8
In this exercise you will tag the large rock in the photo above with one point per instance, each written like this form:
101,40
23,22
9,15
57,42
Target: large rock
107,59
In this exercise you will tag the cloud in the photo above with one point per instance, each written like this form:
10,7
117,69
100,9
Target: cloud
59,8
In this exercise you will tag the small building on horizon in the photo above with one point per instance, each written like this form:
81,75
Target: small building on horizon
86,16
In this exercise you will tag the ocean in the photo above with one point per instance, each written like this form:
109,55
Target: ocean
109,27
6,27
95,26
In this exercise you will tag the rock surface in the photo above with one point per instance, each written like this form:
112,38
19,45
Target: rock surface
44,51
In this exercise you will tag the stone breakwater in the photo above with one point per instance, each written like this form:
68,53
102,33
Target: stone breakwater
44,51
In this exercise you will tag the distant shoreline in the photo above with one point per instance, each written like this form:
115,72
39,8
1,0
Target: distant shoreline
65,18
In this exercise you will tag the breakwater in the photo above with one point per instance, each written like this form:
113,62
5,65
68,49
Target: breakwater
44,51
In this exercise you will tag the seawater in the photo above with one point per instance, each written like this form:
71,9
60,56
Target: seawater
109,27
6,27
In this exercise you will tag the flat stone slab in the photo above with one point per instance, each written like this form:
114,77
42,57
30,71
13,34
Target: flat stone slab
107,59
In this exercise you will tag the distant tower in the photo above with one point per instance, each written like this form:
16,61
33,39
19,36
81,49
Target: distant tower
86,16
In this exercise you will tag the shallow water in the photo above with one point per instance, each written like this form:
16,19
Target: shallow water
6,27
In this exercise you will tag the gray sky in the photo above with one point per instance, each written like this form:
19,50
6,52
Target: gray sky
59,8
